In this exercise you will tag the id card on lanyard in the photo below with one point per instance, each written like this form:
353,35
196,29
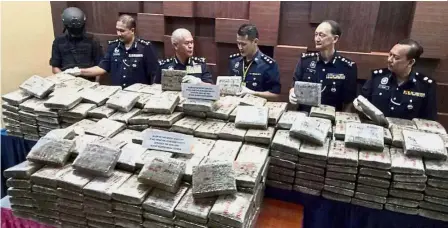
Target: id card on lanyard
243,82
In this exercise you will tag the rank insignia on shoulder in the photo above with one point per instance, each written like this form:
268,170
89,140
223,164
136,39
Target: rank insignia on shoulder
267,59
112,41
379,72
197,59
309,54
145,42
234,55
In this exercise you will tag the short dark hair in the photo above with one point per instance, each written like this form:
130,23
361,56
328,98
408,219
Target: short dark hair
248,29
335,27
128,20
416,49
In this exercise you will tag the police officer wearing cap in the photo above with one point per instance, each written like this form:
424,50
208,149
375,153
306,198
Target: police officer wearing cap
336,73
128,59
196,67
75,48
399,90
259,72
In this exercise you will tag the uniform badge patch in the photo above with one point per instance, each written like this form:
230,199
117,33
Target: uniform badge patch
116,52
313,64
384,80
237,64
410,107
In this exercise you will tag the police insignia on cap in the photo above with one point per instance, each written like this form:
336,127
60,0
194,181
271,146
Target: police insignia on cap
384,80
313,64
237,64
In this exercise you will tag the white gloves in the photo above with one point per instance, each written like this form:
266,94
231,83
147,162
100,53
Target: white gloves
191,79
73,71
292,97
244,91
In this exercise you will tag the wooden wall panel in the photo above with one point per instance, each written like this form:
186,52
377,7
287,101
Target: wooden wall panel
168,47
294,28
266,16
233,9
224,51
129,7
441,71
103,39
442,98
226,29
213,68
173,23
56,11
354,17
205,9
155,7
178,8
205,47
366,62
287,58
392,24
443,119
430,28
151,26
205,27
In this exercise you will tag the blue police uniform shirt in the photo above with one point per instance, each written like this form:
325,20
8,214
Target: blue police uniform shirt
138,64
194,66
261,74
415,98
337,76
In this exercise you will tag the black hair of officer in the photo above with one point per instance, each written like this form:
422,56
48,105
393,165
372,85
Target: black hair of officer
415,51
248,29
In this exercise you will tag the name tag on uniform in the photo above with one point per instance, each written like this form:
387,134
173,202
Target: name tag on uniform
136,55
415,94
335,76
194,69
255,73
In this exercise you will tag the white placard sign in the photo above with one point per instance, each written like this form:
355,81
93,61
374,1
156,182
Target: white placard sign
200,91
168,141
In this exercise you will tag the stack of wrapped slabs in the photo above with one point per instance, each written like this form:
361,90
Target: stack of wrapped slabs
11,109
373,179
435,201
284,156
235,210
76,114
47,119
224,107
276,110
70,198
251,167
201,149
409,183
191,212
97,201
164,103
99,94
342,168
127,203
159,207
100,113
310,170
45,194
19,188
27,117
287,119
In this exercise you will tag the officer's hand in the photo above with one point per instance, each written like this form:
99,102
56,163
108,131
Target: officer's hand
292,98
244,91
73,71
191,79
356,105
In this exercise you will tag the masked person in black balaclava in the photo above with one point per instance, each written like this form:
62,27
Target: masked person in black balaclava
74,48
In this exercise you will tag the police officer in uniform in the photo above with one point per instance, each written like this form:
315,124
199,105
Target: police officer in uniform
128,59
399,90
336,73
196,67
259,72
74,48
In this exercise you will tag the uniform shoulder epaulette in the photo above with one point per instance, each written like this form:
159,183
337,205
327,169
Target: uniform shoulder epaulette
112,41
145,42
421,77
267,59
380,72
165,61
234,55
345,60
199,59
309,54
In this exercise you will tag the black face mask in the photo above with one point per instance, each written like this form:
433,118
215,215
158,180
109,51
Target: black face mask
75,32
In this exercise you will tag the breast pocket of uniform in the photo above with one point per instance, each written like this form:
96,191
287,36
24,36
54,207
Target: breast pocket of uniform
412,101
308,75
255,81
135,62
